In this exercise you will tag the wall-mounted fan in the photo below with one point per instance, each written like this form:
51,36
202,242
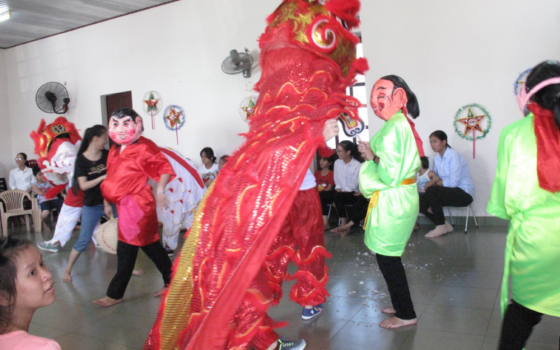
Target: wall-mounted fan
52,98
238,62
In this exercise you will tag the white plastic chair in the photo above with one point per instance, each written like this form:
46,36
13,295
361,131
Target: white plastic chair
469,210
13,200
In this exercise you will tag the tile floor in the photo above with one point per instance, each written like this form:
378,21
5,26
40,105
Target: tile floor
454,283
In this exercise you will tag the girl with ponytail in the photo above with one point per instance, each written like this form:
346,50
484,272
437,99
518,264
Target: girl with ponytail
526,191
89,172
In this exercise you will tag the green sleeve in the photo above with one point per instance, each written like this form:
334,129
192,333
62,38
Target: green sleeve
389,148
496,204
387,144
370,180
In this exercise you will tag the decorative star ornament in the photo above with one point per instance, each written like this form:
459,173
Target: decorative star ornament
151,103
249,109
174,117
472,122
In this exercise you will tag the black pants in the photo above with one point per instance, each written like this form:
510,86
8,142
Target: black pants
437,197
341,200
126,258
517,326
327,198
359,210
393,271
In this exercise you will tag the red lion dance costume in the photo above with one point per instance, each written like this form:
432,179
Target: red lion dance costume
227,274
57,144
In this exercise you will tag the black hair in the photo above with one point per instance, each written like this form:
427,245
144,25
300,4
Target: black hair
127,112
412,105
331,160
89,134
425,162
9,250
209,154
549,96
441,135
225,158
36,170
24,156
350,146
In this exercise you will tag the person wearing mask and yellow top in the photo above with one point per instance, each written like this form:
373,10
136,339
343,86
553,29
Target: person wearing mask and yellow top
526,191
388,177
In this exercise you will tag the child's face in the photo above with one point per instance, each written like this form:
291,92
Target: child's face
324,163
222,163
40,177
204,158
34,284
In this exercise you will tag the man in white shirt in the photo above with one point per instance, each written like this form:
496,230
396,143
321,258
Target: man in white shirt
20,177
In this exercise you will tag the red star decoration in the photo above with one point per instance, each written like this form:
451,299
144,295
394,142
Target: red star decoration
472,122
174,117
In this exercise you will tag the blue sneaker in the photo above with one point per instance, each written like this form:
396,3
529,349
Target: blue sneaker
291,344
308,314
48,246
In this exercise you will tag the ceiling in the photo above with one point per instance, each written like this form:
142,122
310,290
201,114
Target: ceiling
36,19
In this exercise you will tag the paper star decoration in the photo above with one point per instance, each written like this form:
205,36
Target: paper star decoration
174,117
472,122
250,109
151,103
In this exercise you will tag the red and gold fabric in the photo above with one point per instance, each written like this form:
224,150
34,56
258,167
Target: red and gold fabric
245,209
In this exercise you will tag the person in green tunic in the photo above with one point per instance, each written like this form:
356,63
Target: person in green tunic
526,192
388,177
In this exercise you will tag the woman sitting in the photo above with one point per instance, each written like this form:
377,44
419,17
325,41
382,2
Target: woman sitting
325,182
346,174
452,186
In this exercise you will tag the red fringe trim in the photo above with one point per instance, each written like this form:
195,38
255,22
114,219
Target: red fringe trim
316,252
317,295
346,10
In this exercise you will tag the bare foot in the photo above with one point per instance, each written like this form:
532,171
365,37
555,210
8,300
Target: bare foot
46,228
335,230
344,232
137,272
395,322
160,292
389,310
107,302
416,227
66,277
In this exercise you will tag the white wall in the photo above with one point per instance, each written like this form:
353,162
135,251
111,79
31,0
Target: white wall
453,53
6,154
175,49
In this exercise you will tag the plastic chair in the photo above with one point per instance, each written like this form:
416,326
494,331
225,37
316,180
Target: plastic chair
469,209
13,200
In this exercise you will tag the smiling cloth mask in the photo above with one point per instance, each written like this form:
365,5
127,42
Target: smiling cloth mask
384,101
125,130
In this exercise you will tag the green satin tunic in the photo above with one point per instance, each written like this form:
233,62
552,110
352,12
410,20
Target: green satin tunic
532,257
391,221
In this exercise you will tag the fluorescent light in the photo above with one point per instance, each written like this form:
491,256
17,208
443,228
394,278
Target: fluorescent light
4,16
